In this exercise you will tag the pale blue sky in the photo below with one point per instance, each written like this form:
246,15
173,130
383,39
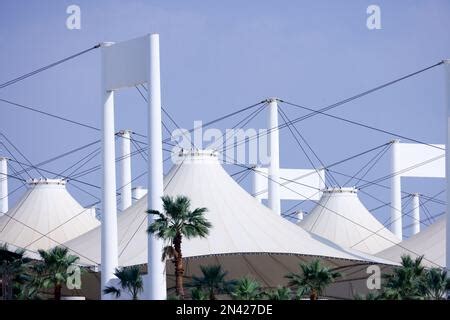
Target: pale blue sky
219,56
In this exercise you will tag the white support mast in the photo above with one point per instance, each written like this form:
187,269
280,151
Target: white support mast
274,167
447,161
3,185
396,193
109,252
156,268
141,58
125,169
416,213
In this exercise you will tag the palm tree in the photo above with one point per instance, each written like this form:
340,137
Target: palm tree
407,281
313,280
178,221
12,269
436,283
199,294
52,270
30,289
213,281
247,289
130,279
280,293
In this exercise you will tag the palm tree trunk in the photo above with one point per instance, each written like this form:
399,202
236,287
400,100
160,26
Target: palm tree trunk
4,287
57,292
313,295
10,287
179,270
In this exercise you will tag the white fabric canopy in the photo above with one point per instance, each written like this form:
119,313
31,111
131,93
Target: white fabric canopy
46,216
430,243
341,218
241,225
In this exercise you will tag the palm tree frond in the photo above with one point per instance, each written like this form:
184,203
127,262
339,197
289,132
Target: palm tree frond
112,290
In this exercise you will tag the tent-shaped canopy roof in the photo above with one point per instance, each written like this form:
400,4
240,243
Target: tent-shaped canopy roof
241,225
340,217
430,243
46,216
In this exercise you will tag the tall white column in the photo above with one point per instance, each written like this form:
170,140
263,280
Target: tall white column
396,193
447,162
415,213
125,169
3,185
109,213
109,254
156,268
274,167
